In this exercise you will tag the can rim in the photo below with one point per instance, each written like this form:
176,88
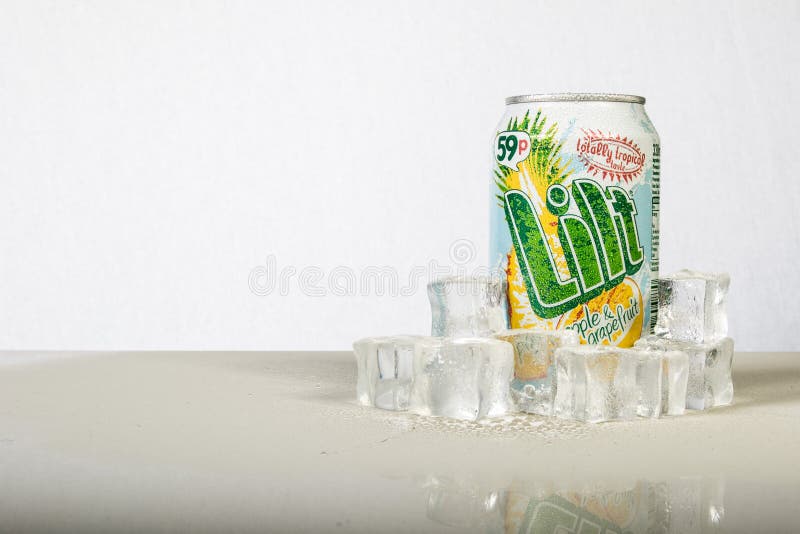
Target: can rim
575,97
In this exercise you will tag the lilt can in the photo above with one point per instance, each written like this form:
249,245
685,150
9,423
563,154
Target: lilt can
574,215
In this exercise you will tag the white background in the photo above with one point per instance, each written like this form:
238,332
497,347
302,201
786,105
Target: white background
155,154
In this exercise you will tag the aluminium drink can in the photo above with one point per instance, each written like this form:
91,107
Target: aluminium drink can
574,214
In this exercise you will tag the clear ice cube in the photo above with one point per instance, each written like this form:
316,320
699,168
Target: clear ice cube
661,379
691,306
709,381
467,306
674,381
648,382
533,386
464,378
384,371
596,383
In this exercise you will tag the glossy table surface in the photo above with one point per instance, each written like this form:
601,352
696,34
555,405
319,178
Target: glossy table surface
275,442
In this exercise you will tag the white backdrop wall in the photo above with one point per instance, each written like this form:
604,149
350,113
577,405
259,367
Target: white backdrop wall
163,164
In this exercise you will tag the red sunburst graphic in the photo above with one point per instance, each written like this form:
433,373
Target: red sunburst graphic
614,157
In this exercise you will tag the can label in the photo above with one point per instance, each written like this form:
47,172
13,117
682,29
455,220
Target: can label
573,224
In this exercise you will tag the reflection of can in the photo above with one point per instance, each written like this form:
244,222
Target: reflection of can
691,505
574,217
533,507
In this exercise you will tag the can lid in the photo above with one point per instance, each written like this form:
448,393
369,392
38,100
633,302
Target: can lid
575,97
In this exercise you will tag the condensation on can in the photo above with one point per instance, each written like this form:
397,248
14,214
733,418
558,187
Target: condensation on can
574,214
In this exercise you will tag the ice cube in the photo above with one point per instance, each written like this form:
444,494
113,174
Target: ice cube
533,386
648,382
661,378
595,383
464,378
691,306
709,382
384,371
467,306
674,381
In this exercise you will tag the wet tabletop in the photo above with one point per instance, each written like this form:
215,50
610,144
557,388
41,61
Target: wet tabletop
263,442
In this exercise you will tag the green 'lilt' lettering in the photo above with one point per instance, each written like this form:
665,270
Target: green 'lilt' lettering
601,246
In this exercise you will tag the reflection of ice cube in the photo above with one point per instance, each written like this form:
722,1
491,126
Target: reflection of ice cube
384,371
465,504
691,306
533,387
695,505
463,378
467,306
